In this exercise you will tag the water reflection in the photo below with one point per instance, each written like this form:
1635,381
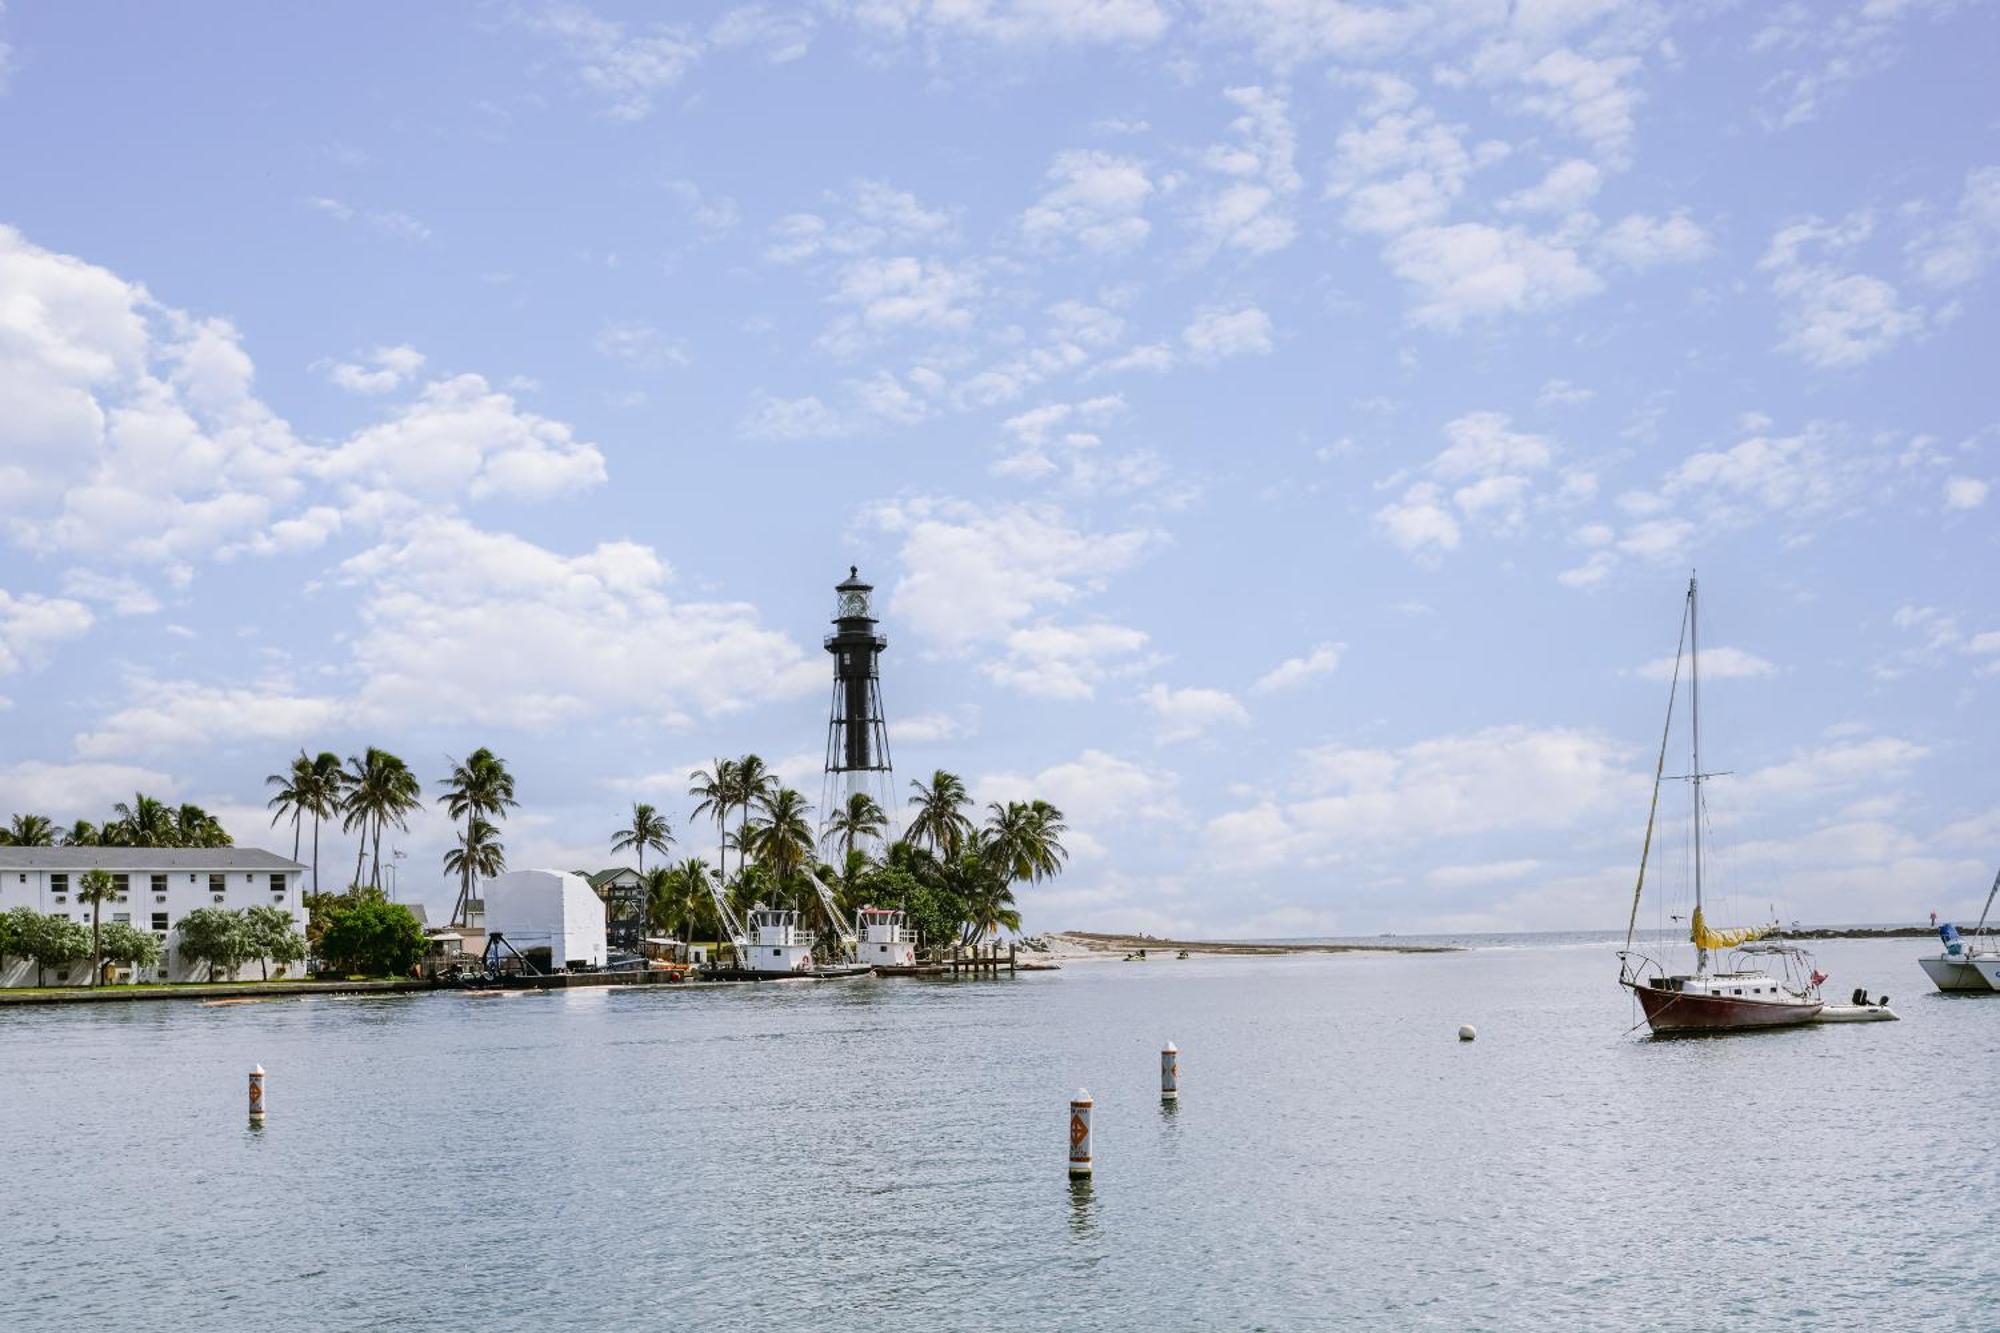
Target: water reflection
1082,1212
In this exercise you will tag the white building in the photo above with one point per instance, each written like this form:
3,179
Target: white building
534,910
154,887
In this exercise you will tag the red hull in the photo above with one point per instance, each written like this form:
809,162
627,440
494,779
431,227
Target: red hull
1676,1011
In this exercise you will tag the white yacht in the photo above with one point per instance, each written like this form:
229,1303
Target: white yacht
1966,964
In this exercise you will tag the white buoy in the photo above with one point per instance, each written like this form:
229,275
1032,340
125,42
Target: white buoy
257,1095
1467,1032
1170,1073
1079,1134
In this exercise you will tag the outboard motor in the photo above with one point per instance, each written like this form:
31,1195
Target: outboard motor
1861,996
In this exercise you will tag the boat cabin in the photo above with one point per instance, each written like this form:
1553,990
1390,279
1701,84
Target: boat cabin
885,940
776,943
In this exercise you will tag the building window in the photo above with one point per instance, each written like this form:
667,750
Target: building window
277,883
159,884
159,921
121,883
59,883
215,883
125,917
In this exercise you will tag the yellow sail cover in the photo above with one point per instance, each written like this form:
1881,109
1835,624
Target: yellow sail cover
1704,938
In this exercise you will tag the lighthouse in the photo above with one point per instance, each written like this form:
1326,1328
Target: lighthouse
857,736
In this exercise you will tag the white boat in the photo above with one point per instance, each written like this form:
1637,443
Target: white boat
1855,1013
1966,964
775,946
885,941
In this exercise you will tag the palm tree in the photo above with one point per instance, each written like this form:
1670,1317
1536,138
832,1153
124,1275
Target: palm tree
195,827
82,833
380,789
96,888
717,789
320,797
478,790
648,829
1023,840
755,784
146,822
940,819
30,831
478,853
294,790
783,836
861,818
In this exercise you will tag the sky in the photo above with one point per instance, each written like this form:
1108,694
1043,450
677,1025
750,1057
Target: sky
1280,431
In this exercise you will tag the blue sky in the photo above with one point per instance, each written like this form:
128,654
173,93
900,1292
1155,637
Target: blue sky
1280,430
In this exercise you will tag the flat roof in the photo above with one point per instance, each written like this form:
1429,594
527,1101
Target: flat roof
143,858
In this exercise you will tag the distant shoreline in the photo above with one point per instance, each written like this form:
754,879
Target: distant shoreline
1090,943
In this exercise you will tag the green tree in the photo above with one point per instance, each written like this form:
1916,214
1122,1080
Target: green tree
716,788
96,888
372,937
16,926
125,943
648,829
29,831
319,795
271,937
195,827
858,819
146,822
82,833
1023,840
289,801
215,936
940,822
755,785
379,790
478,855
783,839
479,791
53,941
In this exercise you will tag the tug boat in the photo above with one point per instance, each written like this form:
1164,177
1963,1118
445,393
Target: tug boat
885,942
1741,995
774,946
1965,964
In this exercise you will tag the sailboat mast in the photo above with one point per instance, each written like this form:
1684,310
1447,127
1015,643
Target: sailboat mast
1694,713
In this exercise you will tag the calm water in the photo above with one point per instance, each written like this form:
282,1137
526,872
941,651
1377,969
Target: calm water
889,1155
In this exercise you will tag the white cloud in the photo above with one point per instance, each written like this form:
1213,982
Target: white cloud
179,715
1567,187
1482,874
782,35
1833,319
1217,335
1965,493
1956,253
1095,199
1491,469
1438,791
626,70
1720,663
1401,168
1053,661
31,625
1015,22
868,215
1322,660
1594,99
1419,521
462,437
1249,211
379,371
905,292
466,625
1185,714
806,418
124,596
68,792
640,346
1471,270
1640,242
1098,793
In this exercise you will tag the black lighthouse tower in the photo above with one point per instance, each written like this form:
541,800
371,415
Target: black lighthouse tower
857,735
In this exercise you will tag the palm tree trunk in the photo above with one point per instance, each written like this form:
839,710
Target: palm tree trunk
295,835
361,854
375,863
96,947
315,856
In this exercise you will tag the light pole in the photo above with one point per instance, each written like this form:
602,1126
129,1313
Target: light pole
395,861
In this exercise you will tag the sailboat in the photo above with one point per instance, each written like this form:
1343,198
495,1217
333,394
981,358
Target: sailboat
1966,964
1737,995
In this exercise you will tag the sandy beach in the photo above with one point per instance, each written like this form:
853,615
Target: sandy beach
1093,944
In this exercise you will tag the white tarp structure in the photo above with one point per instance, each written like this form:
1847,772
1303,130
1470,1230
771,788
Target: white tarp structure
547,909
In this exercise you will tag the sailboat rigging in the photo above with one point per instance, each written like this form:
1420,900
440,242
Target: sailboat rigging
1738,996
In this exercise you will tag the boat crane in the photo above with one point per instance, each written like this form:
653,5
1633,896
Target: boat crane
848,938
739,938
